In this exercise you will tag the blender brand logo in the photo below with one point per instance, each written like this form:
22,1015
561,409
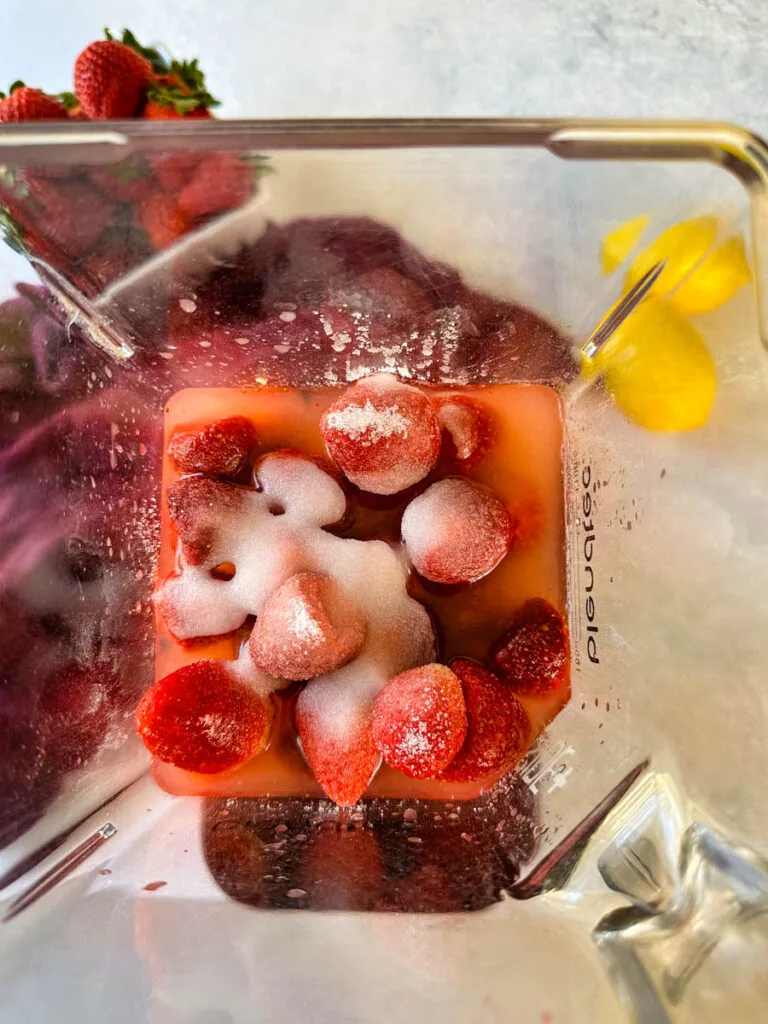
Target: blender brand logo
589,572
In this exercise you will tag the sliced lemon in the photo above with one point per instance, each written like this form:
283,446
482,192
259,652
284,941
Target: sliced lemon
618,244
714,281
681,246
658,369
699,274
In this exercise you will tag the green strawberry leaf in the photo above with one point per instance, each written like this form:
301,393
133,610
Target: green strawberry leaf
12,233
260,165
11,178
159,61
187,92
68,100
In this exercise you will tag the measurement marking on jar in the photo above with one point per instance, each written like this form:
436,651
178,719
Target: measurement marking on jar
547,764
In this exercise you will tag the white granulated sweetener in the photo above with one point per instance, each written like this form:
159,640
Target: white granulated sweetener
304,625
356,420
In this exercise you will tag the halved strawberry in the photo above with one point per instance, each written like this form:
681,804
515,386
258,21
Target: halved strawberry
498,730
469,425
382,434
337,741
220,449
308,627
532,656
203,718
456,531
419,721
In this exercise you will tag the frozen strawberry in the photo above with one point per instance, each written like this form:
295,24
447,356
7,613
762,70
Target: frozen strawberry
429,888
469,425
532,656
26,783
308,627
25,104
381,292
203,718
383,434
111,80
338,745
498,730
456,531
419,721
220,449
197,507
341,868
223,181
163,220
73,713
194,613
301,487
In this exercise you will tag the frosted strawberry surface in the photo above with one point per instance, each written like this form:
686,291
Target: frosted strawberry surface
308,523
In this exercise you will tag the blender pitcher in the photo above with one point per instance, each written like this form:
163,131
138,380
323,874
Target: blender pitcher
619,872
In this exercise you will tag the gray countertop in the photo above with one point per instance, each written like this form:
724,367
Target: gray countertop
679,58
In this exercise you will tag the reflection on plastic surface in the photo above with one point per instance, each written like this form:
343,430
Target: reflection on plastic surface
419,856
697,920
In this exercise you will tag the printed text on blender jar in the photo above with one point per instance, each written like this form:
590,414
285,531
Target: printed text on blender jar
589,572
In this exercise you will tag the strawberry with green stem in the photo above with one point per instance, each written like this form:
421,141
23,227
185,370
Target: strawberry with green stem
176,89
111,79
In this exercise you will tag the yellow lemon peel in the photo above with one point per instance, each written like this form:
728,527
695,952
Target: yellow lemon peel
658,369
619,243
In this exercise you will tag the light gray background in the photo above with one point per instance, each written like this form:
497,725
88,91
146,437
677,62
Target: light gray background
275,58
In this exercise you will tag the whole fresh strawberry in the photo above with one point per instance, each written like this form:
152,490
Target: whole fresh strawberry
25,104
128,182
223,181
175,170
111,80
162,219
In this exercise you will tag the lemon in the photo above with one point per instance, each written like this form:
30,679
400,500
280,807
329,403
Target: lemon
618,244
715,280
658,369
682,246
699,274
